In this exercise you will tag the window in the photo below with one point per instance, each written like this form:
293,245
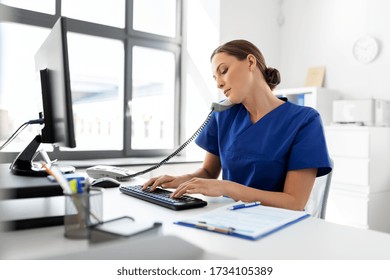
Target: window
19,101
98,11
160,20
124,74
43,6
97,91
153,99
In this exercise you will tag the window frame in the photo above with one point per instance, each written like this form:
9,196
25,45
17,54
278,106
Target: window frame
130,38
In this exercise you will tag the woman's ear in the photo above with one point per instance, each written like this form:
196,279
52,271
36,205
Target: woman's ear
251,61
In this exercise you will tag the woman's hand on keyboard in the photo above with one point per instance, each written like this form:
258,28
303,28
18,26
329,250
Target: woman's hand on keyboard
165,181
209,187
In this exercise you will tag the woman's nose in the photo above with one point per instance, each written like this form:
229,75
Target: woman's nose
220,83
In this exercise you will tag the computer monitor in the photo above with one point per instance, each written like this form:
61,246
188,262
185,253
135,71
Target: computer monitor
51,60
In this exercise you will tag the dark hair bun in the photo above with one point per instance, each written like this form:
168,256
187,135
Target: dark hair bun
272,77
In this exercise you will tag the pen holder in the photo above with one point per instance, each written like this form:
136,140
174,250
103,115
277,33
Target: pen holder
82,210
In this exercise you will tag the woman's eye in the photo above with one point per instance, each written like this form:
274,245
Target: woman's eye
223,71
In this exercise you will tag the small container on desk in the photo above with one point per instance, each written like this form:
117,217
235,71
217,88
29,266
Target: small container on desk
82,211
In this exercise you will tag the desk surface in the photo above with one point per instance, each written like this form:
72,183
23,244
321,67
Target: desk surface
12,186
309,239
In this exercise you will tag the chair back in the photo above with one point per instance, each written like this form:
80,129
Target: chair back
316,205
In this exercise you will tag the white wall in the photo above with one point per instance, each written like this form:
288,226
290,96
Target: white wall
322,32
314,33
293,35
255,21
207,24
200,37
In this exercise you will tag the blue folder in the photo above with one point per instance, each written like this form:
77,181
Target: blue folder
247,223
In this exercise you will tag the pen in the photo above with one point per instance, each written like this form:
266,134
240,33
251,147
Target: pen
203,225
244,205
56,173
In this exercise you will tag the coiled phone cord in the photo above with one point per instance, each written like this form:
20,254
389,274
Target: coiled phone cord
178,150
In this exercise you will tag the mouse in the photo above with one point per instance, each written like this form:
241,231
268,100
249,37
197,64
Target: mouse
105,182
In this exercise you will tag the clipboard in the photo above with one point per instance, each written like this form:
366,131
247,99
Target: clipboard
248,223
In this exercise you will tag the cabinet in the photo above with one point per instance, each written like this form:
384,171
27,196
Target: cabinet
318,98
360,191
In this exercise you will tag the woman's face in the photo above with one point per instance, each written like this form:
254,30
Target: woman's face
233,77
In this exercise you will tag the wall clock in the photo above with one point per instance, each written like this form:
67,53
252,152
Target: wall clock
365,49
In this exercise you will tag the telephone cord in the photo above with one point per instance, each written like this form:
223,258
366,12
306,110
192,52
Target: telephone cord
178,150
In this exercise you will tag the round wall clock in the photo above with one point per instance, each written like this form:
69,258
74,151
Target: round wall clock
365,49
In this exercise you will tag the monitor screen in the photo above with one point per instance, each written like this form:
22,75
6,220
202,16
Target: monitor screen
51,61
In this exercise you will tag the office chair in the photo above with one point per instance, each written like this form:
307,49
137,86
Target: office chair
316,205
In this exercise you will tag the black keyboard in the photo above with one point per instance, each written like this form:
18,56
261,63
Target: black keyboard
162,197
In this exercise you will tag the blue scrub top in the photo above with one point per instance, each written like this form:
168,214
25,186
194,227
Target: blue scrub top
290,137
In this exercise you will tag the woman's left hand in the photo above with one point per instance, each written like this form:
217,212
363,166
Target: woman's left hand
209,187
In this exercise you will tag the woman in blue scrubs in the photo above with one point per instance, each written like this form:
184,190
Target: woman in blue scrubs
268,150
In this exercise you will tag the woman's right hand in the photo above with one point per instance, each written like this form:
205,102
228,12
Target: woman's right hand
165,181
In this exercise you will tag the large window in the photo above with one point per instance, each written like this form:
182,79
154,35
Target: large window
160,20
20,98
97,81
153,88
124,65
97,11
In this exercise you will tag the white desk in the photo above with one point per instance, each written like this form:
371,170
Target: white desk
309,239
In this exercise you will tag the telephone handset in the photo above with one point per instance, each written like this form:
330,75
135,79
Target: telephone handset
121,174
224,105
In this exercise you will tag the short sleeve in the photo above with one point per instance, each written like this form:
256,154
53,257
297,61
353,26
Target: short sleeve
309,148
208,138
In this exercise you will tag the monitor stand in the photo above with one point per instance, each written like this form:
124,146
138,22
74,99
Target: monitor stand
23,165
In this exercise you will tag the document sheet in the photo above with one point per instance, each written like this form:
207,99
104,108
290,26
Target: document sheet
250,223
